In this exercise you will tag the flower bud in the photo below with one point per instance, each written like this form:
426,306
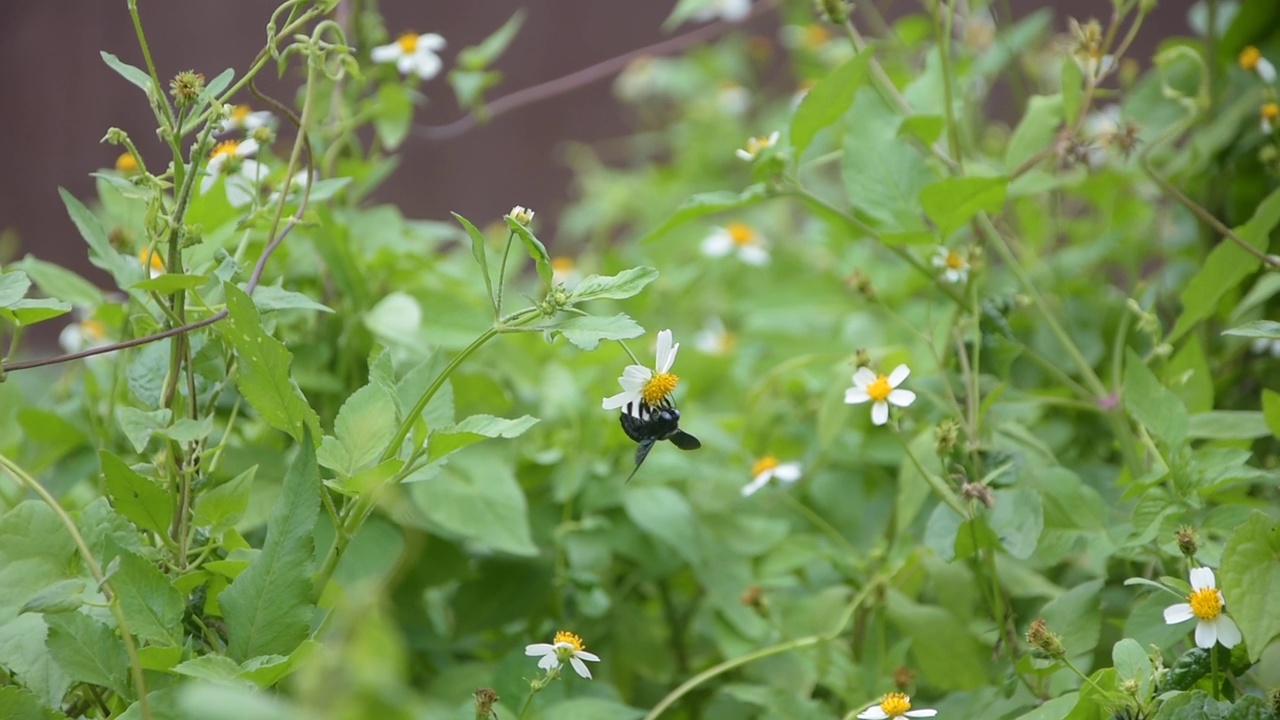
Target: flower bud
945,435
1188,540
521,214
861,358
486,698
1040,638
979,492
186,86
837,11
903,676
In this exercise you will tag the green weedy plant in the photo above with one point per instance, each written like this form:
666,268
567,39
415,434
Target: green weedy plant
263,491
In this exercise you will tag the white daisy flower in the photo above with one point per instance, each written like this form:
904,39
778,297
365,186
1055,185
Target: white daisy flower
881,390
955,266
231,159
564,271
643,386
713,338
521,214
1266,346
412,53
83,335
1251,59
1267,116
1205,604
738,238
756,145
566,647
894,706
245,119
152,262
768,468
728,10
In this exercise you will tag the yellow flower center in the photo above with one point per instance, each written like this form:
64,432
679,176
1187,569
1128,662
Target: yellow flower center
126,164
815,36
1270,111
741,233
226,147
564,636
151,260
408,42
93,329
768,462
1206,604
879,388
563,264
658,387
756,144
895,704
955,260
1249,57
240,112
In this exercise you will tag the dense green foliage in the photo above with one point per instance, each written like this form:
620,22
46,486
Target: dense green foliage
375,478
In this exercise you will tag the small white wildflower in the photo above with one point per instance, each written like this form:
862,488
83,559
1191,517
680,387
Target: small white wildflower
893,707
713,338
1251,59
521,214
738,238
881,390
231,159
757,145
566,647
768,468
245,119
1205,604
413,54
954,265
645,386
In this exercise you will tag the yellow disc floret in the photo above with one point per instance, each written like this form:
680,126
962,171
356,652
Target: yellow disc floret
1270,111
658,387
408,42
879,388
741,233
1249,57
151,260
1206,603
94,330
568,638
895,704
126,164
562,264
226,147
240,112
766,463
955,260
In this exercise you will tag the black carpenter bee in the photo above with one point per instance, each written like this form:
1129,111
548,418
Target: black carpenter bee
654,423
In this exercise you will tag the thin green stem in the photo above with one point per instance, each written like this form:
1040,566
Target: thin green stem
635,360
948,107
1216,686
131,650
821,523
502,273
936,483
159,98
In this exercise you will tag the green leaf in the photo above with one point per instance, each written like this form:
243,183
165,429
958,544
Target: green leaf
481,56
1132,664
827,101
1152,404
709,203
1226,266
664,514
1228,425
394,114
683,11
88,651
222,507
925,128
60,597
59,282
1257,329
170,283
1194,705
478,250
1036,131
31,311
474,429
101,254
591,708
21,704
186,430
586,331
268,608
536,249
128,72
365,424
1076,615
1017,519
1055,709
273,297
148,600
469,87
476,497
1271,410
140,425
883,176
136,497
1072,88
263,376
1250,580
13,287
625,284
950,203
942,646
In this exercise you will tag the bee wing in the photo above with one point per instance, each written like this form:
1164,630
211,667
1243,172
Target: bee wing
642,452
685,441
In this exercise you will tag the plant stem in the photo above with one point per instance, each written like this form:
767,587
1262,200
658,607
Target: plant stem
936,483
1213,673
502,273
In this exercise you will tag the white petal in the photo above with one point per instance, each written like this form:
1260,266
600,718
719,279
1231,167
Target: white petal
588,656
580,667
1201,578
744,154
855,395
940,257
753,255
634,377
240,192
921,713
427,64
549,661
206,182
386,53
787,472
773,138
864,377
431,41
71,338
718,243
405,64
899,374
1266,71
735,10
901,398
662,359
1228,631
539,649
1175,614
247,148
252,170
613,402
873,713
756,484
880,413
1206,634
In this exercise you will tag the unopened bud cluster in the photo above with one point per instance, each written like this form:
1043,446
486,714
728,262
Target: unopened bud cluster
186,86
1041,639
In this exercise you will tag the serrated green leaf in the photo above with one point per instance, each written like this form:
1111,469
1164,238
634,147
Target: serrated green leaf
394,114
475,497
263,376
446,441
827,101
1152,404
366,422
18,703
1257,329
140,425
170,283
1036,130
186,430
482,55
942,648
1194,705
148,600
88,651
883,176
1017,519
586,331
478,250
1076,615
625,284
101,254
536,249
710,203
590,708
268,607
665,515
134,75
63,596
951,202
1250,580
136,497
223,506
13,287
1227,425
30,311
269,298
1133,665
59,282
925,128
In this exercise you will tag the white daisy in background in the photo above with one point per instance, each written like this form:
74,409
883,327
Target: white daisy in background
230,159
83,335
713,338
1087,52
245,119
1266,346
521,214
768,468
739,238
1100,128
881,390
564,271
644,385
566,647
954,264
894,706
1267,115
1251,59
728,10
1205,604
413,54
733,99
152,262
757,145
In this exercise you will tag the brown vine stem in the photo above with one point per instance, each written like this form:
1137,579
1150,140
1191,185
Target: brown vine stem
585,76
